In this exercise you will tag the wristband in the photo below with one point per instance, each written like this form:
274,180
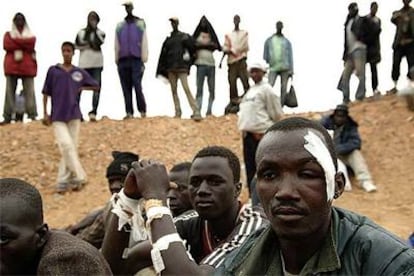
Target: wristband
152,203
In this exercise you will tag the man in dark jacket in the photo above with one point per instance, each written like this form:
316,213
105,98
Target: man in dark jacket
348,144
28,247
297,181
175,60
373,29
354,54
403,44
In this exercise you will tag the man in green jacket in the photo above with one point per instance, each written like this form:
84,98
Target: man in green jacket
297,180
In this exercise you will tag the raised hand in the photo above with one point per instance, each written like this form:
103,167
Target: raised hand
150,178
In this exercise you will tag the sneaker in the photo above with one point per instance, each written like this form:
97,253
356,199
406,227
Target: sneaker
392,91
5,122
76,185
368,186
92,117
128,116
143,115
62,188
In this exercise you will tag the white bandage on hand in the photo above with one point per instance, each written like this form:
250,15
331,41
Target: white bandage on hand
129,211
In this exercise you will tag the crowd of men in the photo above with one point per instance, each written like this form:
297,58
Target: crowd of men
181,50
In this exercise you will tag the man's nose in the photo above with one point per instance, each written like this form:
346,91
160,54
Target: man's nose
286,188
204,188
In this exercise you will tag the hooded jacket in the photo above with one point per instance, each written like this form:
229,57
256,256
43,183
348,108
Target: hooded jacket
348,139
20,59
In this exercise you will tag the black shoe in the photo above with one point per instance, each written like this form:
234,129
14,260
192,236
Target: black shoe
5,122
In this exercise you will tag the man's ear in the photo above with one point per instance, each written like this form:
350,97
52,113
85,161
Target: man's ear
339,184
238,189
43,235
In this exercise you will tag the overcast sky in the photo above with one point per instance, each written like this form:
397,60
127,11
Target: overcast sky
315,29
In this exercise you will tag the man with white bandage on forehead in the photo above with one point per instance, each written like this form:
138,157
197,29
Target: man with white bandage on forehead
297,181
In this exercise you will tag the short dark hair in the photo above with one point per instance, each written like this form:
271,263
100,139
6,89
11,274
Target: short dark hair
296,123
374,4
224,152
21,191
183,166
68,43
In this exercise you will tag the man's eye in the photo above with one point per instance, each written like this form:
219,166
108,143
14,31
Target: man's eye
267,175
195,183
4,240
309,174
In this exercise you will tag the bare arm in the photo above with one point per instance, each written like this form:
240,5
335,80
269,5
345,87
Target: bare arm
46,117
149,180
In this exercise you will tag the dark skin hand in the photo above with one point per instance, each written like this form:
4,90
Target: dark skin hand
149,179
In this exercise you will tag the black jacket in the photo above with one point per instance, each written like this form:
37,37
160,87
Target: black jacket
174,52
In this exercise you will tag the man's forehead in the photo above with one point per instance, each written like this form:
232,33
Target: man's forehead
210,164
286,139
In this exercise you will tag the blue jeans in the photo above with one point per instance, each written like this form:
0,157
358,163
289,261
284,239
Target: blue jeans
355,62
204,71
131,70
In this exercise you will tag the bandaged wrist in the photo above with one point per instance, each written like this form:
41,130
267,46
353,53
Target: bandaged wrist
129,211
162,244
156,212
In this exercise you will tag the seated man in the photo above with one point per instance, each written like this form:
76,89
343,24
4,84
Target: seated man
297,180
27,246
92,227
178,194
348,144
222,223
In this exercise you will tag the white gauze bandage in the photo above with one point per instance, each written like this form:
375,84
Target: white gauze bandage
315,146
129,211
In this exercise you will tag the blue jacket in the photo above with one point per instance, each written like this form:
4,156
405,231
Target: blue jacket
278,53
348,140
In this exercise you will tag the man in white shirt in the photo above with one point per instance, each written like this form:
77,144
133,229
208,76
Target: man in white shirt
260,108
236,46
89,41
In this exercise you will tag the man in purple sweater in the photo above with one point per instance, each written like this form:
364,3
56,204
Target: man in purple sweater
63,84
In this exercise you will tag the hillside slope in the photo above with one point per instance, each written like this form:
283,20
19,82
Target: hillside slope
28,151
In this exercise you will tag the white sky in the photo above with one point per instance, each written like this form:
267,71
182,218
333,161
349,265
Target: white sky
315,29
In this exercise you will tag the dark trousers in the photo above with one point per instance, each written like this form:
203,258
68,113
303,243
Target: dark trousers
95,73
400,52
374,75
237,70
130,72
250,143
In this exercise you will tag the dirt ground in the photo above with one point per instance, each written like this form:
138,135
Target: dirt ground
28,151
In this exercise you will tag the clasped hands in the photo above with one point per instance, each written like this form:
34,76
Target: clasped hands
147,179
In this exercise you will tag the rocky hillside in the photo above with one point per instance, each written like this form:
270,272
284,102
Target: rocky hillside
28,151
